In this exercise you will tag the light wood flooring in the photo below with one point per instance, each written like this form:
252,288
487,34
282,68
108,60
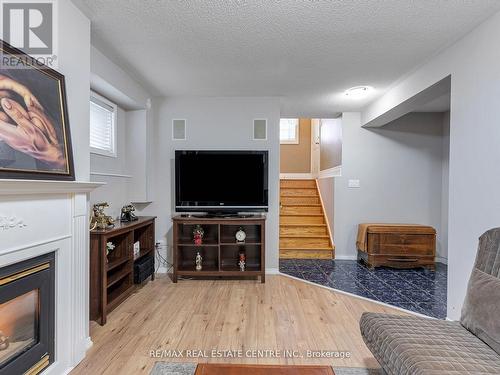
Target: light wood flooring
281,314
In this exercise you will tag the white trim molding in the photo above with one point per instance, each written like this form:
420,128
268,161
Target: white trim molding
110,174
296,176
272,271
442,260
27,187
346,257
331,172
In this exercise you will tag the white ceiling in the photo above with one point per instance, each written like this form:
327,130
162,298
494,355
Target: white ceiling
307,52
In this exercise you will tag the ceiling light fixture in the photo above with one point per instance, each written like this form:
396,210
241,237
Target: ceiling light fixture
358,92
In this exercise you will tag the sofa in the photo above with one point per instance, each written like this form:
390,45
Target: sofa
405,345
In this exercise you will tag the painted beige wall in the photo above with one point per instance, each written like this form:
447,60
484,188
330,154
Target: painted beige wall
331,143
297,158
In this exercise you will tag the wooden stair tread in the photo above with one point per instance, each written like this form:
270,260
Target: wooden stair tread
300,204
330,248
304,236
302,225
300,214
300,196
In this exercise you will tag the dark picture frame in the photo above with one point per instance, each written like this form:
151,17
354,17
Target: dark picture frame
48,119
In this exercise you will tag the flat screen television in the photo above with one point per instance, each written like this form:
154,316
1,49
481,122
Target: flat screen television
221,181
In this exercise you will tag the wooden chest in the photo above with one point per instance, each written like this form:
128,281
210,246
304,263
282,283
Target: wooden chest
397,245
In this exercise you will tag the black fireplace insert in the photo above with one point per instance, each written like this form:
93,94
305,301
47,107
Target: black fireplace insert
27,317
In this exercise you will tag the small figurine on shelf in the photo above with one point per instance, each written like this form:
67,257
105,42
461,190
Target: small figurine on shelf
99,219
242,261
110,246
128,213
199,259
198,233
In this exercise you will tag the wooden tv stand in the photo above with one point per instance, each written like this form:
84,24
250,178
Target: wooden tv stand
219,249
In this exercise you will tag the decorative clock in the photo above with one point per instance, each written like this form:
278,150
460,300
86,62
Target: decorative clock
240,235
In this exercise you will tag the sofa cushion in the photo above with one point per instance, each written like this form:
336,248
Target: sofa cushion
406,345
482,302
480,313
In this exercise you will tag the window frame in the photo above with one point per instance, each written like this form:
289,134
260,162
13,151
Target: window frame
295,141
99,98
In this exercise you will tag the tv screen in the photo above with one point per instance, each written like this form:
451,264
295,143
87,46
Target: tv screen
221,181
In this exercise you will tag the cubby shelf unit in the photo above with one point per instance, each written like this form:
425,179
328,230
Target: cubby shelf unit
219,249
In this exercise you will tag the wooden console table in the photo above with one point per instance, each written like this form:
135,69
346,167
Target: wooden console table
227,369
112,275
219,250
397,245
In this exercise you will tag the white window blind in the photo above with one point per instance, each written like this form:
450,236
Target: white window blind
102,126
289,130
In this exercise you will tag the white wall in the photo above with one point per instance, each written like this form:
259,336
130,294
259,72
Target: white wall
474,201
400,172
445,189
327,191
74,62
111,81
213,123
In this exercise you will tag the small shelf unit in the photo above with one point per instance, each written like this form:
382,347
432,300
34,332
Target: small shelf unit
112,275
220,250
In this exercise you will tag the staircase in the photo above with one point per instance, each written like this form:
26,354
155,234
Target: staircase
304,232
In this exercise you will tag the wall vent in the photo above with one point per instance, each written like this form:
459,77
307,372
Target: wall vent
260,129
178,129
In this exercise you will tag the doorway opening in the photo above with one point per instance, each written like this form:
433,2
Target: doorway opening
396,172
306,191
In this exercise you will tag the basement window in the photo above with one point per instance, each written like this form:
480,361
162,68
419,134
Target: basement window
102,125
289,131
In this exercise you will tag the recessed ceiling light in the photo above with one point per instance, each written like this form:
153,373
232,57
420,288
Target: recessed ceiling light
358,92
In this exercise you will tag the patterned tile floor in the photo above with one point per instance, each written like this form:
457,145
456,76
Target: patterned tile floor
419,290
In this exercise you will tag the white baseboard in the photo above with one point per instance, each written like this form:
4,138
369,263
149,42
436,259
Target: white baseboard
161,270
272,271
441,260
88,343
296,176
331,172
346,257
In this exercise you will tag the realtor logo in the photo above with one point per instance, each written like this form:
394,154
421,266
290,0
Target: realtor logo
31,27
28,26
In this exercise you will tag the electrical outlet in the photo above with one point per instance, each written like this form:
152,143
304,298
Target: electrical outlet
354,184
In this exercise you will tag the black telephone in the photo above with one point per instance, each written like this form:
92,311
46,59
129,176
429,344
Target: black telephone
128,213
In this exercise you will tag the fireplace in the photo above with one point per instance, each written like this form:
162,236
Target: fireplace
27,316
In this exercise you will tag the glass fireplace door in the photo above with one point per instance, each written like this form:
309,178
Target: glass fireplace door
27,292
19,319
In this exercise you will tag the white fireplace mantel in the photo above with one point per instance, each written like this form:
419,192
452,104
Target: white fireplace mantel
37,187
37,217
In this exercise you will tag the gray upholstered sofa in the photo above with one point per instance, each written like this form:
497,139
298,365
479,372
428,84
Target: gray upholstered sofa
413,345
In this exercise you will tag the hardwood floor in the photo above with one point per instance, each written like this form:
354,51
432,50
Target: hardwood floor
242,315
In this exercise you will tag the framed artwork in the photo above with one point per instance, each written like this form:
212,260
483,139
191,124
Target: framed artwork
35,141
